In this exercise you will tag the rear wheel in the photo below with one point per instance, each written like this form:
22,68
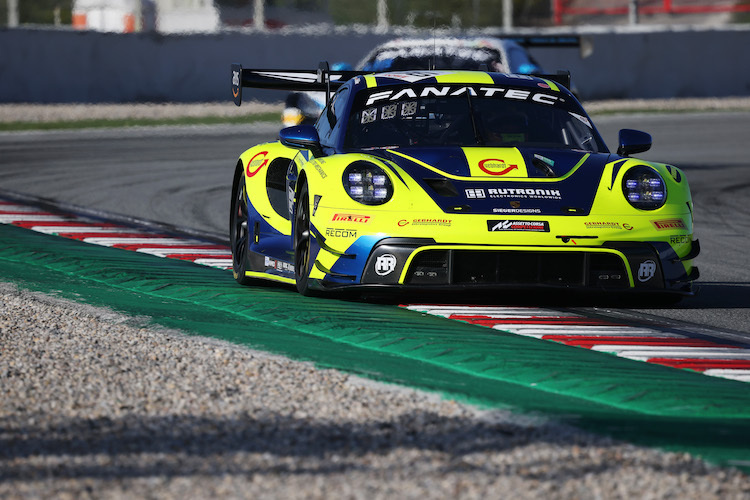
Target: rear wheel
238,233
302,242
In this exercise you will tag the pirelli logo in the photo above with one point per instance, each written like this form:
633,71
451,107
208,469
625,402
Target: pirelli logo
361,219
666,224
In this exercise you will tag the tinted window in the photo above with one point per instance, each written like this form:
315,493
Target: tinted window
440,57
468,115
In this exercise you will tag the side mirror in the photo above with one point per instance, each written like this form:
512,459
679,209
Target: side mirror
302,137
633,141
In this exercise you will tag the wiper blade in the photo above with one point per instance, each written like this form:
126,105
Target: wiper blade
477,136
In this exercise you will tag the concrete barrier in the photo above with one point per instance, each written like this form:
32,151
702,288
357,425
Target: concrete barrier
58,66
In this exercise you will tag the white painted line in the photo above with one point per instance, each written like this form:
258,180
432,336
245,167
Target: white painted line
35,218
18,208
95,240
222,263
576,330
645,356
674,352
495,312
83,229
739,374
163,252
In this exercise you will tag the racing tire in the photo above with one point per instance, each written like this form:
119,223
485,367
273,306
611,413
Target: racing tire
302,241
238,229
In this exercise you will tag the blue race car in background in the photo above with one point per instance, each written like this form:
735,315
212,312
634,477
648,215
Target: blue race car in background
501,55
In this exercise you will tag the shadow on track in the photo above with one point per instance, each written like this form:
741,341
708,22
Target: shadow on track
718,295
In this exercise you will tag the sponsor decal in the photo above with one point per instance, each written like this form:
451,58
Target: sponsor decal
341,233
679,240
581,119
385,264
627,227
674,173
369,115
475,193
319,168
409,108
646,270
425,222
602,225
412,76
454,90
360,219
494,166
256,162
516,210
665,224
388,112
279,265
235,83
523,193
539,226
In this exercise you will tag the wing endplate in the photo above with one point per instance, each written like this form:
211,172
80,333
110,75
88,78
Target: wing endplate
294,80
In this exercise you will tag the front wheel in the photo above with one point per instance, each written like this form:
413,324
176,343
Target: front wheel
238,233
302,242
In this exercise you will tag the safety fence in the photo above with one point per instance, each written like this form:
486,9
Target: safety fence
145,67
581,8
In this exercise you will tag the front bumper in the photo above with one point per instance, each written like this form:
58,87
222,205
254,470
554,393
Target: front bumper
613,266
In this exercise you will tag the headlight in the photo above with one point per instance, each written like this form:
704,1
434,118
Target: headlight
367,183
644,188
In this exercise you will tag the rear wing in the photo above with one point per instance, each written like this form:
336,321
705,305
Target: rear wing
320,80
294,80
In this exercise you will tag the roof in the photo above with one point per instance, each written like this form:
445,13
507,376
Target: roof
390,78
481,49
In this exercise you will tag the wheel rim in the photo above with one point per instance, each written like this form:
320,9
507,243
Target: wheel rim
239,226
302,237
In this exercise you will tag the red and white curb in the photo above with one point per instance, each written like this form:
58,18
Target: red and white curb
639,343
106,234
650,344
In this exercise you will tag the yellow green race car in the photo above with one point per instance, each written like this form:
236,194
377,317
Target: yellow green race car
455,180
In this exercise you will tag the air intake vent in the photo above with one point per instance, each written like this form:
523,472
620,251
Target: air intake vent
566,269
442,187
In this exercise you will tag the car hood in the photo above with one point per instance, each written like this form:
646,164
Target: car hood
504,180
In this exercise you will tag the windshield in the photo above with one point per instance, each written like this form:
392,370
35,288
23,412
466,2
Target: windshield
468,115
428,57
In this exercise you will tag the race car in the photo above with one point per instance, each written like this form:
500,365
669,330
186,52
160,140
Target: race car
454,180
504,55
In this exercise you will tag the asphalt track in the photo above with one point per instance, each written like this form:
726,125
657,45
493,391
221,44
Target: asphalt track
182,176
